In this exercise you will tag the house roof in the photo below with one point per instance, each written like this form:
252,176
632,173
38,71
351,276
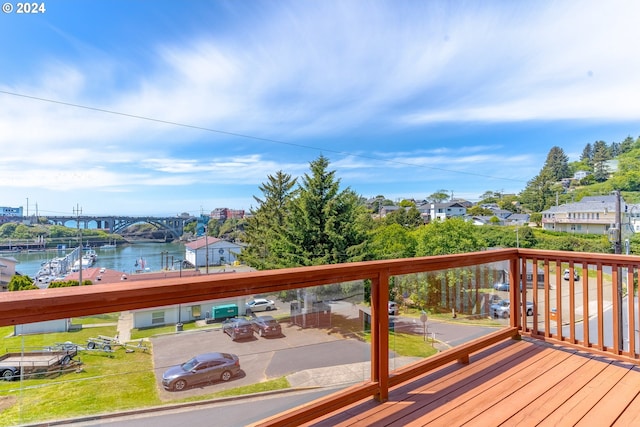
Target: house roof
588,204
518,217
201,242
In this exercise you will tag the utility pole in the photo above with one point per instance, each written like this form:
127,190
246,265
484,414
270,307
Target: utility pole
77,211
206,245
617,244
617,247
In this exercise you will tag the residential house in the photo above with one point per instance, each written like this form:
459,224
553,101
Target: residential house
181,313
591,215
442,211
7,271
517,219
580,175
211,251
386,210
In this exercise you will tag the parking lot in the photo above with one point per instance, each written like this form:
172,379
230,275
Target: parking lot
260,358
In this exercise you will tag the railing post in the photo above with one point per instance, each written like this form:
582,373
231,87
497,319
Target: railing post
514,298
380,335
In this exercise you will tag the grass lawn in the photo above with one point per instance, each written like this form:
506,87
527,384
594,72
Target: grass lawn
96,319
101,382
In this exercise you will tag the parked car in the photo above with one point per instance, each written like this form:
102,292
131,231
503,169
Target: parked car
266,326
260,304
502,309
237,328
207,367
502,286
567,275
393,308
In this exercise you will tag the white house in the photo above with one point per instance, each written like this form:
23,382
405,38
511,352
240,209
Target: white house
46,327
7,271
442,211
212,251
181,313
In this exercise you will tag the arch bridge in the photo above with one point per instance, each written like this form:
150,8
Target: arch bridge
115,224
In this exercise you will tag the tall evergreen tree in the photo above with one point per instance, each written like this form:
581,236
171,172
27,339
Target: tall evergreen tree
557,164
265,226
600,156
626,145
325,225
587,155
614,150
540,192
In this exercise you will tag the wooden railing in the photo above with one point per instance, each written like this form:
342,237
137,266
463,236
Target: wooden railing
598,301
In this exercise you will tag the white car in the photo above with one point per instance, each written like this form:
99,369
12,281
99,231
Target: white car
567,275
393,308
260,304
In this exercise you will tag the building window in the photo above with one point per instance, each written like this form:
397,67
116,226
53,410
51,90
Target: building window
157,318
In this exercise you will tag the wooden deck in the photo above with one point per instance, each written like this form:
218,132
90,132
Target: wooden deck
513,383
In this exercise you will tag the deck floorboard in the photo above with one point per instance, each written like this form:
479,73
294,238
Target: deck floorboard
513,383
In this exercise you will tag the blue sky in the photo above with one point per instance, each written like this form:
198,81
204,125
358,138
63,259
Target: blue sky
161,107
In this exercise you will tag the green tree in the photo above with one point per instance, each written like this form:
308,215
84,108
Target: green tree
391,241
539,194
405,203
69,283
190,227
626,145
587,155
21,283
489,197
325,224
600,157
439,196
477,210
409,218
231,229
265,227
557,164
537,218
452,236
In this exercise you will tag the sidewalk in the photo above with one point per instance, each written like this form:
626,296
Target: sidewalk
341,374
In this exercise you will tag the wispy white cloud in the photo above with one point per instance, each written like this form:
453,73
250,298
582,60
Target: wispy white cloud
312,74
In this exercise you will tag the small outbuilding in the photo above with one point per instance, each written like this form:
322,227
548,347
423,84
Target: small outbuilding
211,251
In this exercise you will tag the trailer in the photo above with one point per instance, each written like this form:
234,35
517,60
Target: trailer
14,364
108,344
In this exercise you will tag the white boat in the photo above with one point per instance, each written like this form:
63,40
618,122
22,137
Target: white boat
109,245
87,261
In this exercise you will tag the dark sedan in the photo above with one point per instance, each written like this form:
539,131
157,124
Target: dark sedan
206,367
237,328
266,326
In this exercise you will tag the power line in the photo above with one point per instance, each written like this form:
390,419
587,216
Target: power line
245,136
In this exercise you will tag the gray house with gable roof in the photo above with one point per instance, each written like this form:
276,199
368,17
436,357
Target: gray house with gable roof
591,215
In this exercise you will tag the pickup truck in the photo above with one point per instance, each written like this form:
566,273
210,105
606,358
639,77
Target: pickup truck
35,361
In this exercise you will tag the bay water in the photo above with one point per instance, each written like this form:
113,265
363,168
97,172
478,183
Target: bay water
126,258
